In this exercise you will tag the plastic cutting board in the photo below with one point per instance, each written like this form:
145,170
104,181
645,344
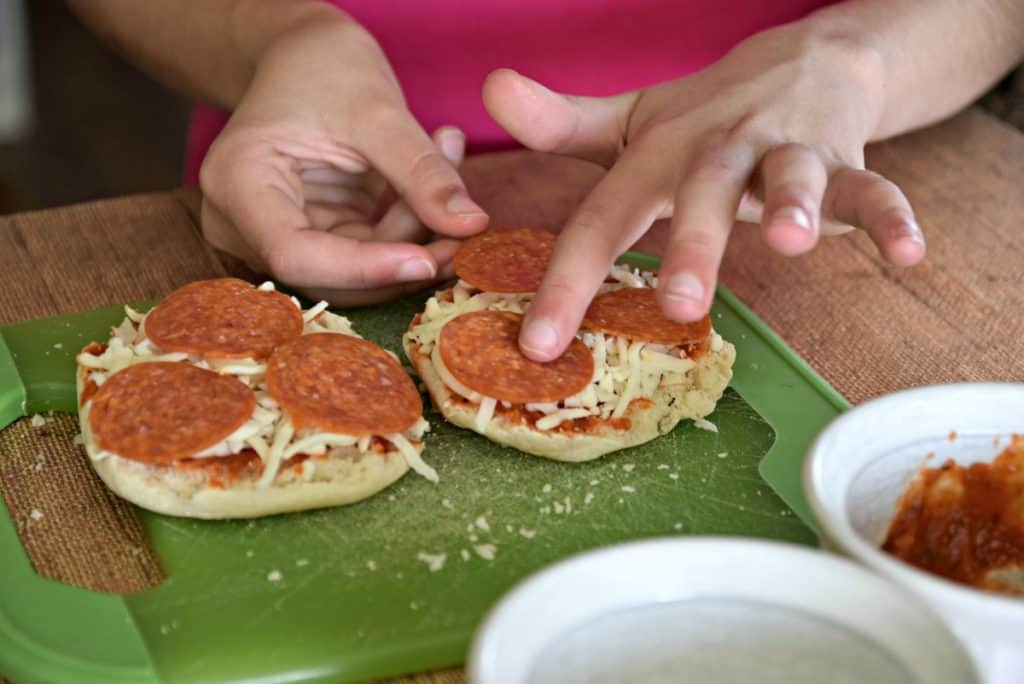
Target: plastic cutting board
356,597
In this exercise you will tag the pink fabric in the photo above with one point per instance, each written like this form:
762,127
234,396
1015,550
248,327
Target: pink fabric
442,50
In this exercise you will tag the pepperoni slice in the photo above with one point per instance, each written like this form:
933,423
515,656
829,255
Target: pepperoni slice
344,384
505,259
224,318
161,412
481,350
633,313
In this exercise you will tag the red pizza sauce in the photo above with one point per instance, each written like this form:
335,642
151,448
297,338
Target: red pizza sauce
966,523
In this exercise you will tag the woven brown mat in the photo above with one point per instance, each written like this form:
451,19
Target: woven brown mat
89,255
73,529
63,260
454,676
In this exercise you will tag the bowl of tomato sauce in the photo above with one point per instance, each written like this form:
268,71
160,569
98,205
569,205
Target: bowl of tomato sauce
926,487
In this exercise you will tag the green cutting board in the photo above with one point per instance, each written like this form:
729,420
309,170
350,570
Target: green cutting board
343,594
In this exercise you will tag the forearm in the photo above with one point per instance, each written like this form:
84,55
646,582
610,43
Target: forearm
207,49
935,56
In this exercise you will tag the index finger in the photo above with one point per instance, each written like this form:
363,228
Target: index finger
610,219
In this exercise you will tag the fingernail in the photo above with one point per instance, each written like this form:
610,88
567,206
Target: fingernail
453,145
460,204
540,336
416,268
911,231
792,215
685,286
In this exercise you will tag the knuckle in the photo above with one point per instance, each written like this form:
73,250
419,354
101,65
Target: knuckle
716,164
790,193
862,61
590,224
430,167
789,151
562,289
703,243
589,218
382,114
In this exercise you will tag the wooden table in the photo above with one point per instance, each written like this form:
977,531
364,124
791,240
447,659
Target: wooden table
866,327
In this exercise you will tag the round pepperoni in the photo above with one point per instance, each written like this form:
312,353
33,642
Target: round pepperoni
481,350
633,313
224,318
161,412
339,383
505,259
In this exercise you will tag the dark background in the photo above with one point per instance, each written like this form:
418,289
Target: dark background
102,128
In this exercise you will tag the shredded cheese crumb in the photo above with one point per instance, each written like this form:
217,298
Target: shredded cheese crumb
274,576
485,551
588,498
628,489
465,554
529,534
705,424
434,561
481,522
36,514
37,421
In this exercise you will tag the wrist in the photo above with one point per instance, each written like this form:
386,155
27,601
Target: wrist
255,27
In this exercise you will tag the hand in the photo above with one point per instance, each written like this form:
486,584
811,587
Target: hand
322,177
783,117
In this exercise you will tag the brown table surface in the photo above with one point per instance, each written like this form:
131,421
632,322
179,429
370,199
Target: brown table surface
866,327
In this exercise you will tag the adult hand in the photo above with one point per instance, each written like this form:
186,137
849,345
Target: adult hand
784,117
324,179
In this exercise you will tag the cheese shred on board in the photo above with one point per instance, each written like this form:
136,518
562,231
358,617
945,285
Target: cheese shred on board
623,370
268,432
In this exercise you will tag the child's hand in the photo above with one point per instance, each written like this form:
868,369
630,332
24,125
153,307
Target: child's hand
325,180
782,119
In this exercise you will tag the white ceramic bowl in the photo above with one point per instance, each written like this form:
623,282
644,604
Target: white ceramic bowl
860,465
713,609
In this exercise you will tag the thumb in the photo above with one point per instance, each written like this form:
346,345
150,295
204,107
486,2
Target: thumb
422,176
587,127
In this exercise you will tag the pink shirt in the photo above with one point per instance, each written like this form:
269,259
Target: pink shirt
442,50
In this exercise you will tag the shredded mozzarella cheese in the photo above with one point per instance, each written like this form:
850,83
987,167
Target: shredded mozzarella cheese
556,418
623,370
412,456
484,414
267,431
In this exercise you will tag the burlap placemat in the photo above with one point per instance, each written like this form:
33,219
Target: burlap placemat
73,529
